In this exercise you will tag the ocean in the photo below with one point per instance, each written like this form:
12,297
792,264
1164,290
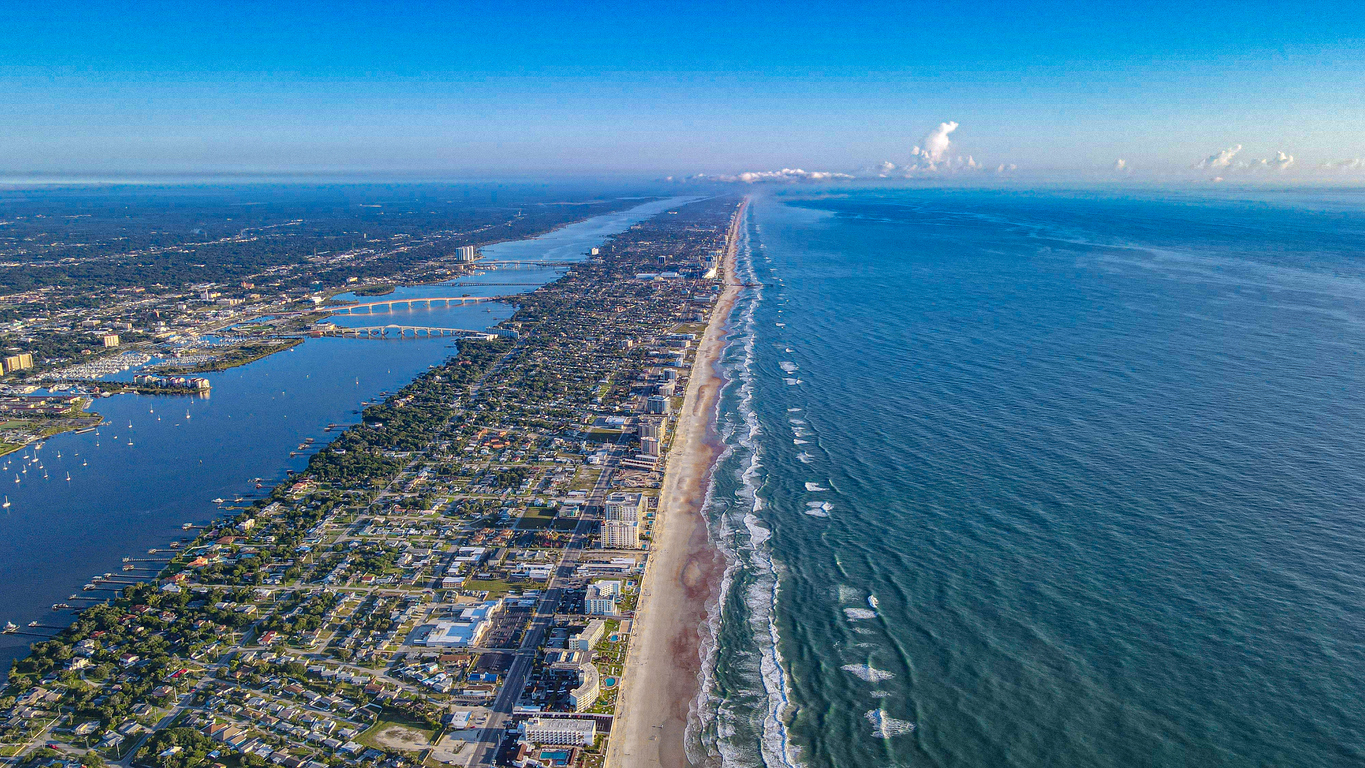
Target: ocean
1040,479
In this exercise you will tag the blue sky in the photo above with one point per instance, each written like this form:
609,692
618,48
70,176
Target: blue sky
677,88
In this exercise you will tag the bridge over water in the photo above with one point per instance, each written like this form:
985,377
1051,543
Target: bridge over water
427,301
392,330
519,263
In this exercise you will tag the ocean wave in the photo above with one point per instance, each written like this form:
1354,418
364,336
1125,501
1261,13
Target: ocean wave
818,508
867,673
743,536
859,614
885,727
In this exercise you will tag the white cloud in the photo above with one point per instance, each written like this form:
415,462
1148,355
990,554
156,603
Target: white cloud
788,175
1121,165
929,157
1354,164
1279,163
1220,160
935,143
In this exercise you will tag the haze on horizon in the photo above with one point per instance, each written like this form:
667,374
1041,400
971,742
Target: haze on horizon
1246,90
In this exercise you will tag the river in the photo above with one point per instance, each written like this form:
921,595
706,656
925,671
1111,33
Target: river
157,462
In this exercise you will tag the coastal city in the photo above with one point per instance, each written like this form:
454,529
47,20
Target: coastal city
682,385
91,291
456,579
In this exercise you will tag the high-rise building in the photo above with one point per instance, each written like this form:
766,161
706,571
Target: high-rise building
466,253
656,404
620,534
560,732
19,362
652,428
624,506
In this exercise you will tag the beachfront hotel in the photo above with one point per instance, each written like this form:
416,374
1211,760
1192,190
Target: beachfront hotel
601,599
557,732
620,534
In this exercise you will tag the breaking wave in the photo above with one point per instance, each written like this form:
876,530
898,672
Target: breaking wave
744,696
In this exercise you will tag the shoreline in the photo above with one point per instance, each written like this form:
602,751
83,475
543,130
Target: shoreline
661,677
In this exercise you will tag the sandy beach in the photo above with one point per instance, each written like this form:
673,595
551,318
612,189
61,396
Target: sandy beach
660,679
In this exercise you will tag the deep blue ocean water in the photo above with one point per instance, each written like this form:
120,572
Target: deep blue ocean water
1043,479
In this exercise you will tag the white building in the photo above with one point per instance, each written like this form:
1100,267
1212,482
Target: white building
467,629
601,598
589,689
466,253
568,733
620,534
624,506
589,637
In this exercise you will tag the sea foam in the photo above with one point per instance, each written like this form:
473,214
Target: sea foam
867,673
885,727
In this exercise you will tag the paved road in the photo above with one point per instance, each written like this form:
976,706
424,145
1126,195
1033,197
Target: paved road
515,682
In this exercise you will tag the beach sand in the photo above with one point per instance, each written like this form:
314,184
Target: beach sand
661,675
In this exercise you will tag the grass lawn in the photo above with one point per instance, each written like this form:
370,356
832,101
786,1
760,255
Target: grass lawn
585,480
537,518
395,730
495,587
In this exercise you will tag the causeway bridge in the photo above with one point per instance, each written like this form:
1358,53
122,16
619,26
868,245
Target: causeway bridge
520,263
416,301
393,330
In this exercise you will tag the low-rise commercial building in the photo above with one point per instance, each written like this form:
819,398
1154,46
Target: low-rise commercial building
467,629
